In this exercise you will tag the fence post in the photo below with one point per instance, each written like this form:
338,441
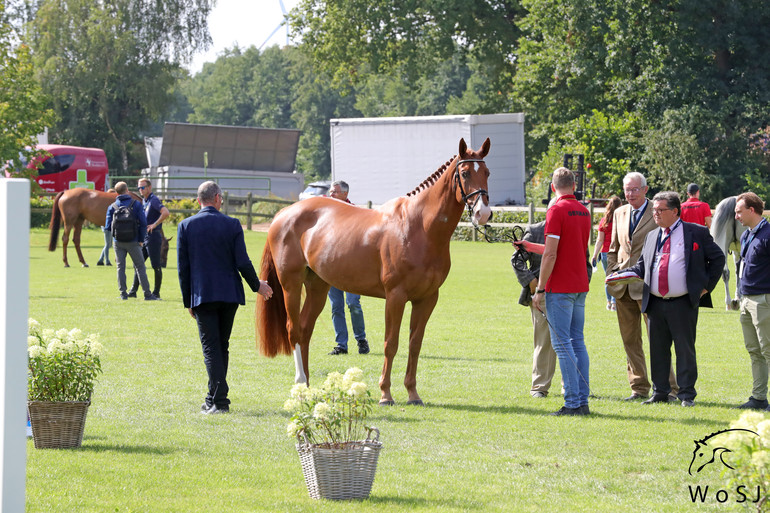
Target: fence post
248,211
531,214
14,311
226,201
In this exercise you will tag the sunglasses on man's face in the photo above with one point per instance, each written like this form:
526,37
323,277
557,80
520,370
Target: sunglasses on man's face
142,188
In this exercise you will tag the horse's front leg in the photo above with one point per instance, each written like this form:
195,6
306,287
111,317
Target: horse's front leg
394,313
726,279
421,311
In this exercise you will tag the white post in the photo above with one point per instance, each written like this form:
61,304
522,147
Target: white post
14,310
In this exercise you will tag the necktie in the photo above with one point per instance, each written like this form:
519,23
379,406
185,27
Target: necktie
663,269
634,219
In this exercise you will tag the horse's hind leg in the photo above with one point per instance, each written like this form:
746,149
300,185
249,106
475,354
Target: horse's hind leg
65,238
76,241
316,290
420,314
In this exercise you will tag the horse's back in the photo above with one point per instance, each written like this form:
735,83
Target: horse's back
87,204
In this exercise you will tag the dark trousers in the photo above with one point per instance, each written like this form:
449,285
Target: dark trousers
673,320
215,323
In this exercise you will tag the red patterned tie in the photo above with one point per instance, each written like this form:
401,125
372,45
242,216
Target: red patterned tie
663,272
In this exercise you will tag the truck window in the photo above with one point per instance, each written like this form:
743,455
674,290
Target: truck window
56,164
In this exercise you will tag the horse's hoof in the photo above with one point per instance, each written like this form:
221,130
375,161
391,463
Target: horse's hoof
387,403
418,402
66,265
85,265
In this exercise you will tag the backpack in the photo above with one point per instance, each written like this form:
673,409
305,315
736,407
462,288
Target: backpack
125,225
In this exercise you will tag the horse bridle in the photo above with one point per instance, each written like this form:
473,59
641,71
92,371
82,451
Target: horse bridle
478,192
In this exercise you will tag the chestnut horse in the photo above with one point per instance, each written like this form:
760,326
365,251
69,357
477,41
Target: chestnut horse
75,206
399,252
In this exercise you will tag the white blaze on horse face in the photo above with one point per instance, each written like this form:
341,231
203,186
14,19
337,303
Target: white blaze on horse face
299,376
481,213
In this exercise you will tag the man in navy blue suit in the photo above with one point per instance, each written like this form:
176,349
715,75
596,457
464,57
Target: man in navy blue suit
212,257
680,265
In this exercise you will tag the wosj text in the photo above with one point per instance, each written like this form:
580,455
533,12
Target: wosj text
741,494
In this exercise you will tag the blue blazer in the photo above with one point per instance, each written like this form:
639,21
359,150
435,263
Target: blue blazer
211,258
703,258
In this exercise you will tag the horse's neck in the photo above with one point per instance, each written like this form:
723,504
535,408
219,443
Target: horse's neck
440,212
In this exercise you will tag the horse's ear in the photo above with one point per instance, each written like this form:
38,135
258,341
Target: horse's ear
463,147
485,148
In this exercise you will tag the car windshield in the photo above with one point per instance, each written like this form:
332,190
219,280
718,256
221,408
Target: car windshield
318,190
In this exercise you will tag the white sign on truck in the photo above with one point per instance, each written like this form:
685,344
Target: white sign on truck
383,158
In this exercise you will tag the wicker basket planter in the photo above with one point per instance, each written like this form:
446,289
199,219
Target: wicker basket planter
57,425
340,472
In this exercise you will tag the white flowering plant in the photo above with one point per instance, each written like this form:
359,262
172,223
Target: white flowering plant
333,414
749,443
62,364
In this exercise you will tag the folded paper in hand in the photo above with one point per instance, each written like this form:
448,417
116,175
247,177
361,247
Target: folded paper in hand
622,277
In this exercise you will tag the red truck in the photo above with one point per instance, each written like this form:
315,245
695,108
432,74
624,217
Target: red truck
68,167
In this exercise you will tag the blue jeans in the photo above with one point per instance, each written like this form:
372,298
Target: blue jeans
566,316
338,316
105,256
603,258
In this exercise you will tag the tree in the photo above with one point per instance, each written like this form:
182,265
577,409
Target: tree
23,112
690,68
351,39
110,67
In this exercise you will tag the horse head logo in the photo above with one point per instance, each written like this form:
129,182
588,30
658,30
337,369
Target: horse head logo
712,447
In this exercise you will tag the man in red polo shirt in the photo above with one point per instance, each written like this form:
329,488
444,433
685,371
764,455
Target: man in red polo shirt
694,210
564,283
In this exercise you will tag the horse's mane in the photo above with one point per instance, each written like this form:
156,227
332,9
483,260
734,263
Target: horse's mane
432,179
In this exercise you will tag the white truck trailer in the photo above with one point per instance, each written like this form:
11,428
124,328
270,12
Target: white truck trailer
383,158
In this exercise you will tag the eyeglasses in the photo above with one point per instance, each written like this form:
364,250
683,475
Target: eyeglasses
659,210
632,189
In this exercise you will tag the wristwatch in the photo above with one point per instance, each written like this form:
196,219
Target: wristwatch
540,291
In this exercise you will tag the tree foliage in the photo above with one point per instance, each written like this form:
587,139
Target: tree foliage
23,107
694,72
110,67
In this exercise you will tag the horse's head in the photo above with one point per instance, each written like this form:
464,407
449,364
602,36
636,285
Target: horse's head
471,173
701,456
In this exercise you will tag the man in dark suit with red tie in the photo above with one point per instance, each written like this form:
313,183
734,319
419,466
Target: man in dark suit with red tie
680,265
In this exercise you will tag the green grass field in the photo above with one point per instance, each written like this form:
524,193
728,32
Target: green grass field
480,444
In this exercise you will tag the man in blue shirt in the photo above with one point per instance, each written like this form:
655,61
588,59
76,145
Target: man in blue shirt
155,213
754,282
131,248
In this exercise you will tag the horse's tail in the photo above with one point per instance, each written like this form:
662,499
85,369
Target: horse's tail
55,222
271,317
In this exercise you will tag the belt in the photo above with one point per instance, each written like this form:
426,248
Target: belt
668,298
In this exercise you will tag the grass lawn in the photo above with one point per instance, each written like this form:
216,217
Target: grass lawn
480,444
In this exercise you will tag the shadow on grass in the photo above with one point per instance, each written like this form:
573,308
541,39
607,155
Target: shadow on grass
98,447
461,359
596,412
407,503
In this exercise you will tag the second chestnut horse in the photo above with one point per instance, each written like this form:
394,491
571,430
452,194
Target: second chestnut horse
399,252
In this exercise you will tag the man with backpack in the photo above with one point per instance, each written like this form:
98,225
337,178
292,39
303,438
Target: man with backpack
128,225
